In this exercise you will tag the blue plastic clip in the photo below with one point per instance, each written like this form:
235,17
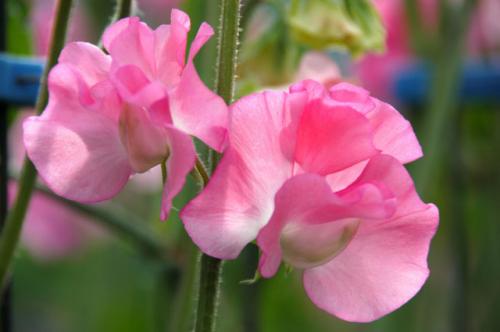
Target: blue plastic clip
479,81
19,79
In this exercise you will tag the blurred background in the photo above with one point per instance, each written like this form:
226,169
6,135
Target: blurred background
114,267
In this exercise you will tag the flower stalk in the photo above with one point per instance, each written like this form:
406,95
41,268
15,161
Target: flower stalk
227,54
14,222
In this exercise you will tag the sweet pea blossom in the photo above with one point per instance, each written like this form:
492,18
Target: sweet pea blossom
316,176
110,116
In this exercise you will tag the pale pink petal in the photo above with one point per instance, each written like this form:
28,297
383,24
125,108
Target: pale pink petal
131,45
311,224
331,138
169,54
195,108
239,197
135,88
68,92
180,162
81,158
385,264
88,59
170,47
71,95
114,30
145,141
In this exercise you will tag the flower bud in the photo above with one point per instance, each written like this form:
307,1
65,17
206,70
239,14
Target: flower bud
322,24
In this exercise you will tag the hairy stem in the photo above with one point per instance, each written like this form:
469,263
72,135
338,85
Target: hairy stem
14,222
227,52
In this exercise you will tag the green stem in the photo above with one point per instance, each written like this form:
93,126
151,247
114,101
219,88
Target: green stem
14,222
227,55
182,316
419,37
443,101
209,289
115,222
123,9
227,52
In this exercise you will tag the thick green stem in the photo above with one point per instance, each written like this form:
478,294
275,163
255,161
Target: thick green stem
14,222
227,53
227,56
209,289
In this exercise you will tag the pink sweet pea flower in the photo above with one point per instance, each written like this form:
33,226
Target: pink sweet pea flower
316,177
110,116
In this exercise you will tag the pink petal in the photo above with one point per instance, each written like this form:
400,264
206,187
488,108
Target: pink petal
239,198
392,133
385,264
180,162
70,94
195,108
380,270
146,142
81,158
331,138
135,88
311,224
89,60
131,42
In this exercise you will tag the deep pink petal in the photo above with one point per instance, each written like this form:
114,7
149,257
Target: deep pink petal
195,108
81,158
239,197
385,264
180,162
89,60
311,224
331,138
